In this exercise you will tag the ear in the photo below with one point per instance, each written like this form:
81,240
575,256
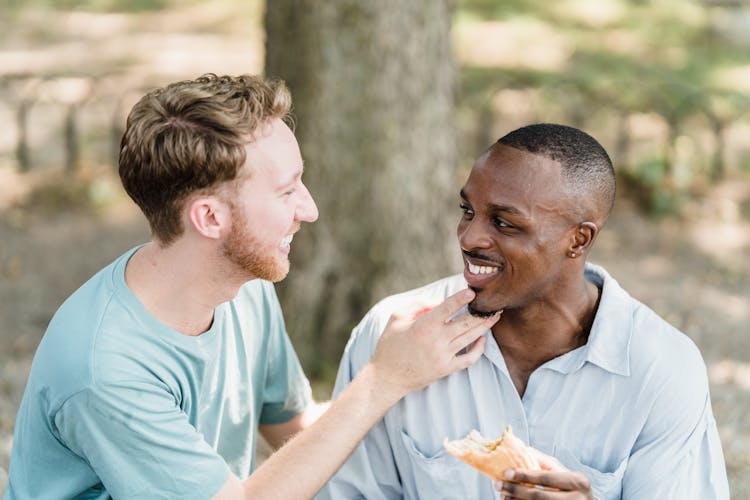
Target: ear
209,216
582,238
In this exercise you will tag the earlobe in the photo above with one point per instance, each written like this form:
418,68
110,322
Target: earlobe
583,238
208,216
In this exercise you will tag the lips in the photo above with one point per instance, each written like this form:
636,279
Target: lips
286,241
478,272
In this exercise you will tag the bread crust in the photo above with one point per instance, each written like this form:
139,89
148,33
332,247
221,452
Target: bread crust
490,457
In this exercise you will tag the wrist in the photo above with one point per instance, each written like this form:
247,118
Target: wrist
383,386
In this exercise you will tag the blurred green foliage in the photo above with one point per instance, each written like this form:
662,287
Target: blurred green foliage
93,5
669,60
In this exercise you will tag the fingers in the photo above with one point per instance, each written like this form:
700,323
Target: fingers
411,311
467,328
543,484
454,303
471,356
442,312
430,345
517,491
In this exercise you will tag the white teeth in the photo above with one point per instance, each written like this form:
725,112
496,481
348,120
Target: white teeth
287,241
481,269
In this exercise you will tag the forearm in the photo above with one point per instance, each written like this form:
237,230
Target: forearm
315,454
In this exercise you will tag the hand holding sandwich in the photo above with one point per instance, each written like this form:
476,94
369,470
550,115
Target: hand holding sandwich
520,471
553,481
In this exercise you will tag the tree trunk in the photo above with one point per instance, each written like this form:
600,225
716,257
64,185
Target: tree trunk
22,144
718,163
622,141
373,89
72,152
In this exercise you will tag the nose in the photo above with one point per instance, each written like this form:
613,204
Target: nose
307,210
472,234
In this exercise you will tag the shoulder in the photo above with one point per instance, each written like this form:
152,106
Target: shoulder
256,290
432,293
652,343
660,351
366,334
63,361
663,361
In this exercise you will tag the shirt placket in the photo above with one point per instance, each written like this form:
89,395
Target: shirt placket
510,409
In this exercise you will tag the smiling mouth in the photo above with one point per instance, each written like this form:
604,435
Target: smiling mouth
477,270
479,266
286,241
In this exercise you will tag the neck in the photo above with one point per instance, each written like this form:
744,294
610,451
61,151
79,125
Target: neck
532,335
180,285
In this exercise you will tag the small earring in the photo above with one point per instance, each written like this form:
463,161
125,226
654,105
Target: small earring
572,254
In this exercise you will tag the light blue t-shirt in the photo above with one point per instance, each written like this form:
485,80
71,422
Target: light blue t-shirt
630,410
120,405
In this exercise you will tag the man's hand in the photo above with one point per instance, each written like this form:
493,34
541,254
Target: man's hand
422,344
553,482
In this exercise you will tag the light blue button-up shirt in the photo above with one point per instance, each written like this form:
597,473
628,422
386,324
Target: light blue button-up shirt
630,410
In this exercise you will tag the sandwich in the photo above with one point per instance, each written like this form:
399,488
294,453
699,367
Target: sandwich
493,458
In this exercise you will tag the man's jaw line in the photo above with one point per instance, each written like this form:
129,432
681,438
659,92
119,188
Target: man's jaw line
479,314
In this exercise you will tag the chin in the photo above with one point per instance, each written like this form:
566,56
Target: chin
279,276
479,311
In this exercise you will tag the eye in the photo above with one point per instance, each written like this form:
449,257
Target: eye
468,212
501,224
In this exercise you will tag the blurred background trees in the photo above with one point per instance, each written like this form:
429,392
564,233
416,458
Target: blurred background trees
394,101
373,86
388,123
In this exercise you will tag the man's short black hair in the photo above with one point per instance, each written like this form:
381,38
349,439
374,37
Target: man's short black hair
586,167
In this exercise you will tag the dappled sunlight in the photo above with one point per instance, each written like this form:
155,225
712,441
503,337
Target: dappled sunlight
732,306
736,77
64,90
623,42
193,55
519,106
721,239
729,371
524,43
13,187
720,227
650,80
594,13
656,266
180,42
95,25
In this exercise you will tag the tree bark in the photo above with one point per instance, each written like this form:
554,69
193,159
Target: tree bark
373,88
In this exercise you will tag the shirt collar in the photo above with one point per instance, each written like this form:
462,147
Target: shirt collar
608,345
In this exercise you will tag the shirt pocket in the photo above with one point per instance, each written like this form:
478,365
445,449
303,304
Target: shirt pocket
604,485
437,476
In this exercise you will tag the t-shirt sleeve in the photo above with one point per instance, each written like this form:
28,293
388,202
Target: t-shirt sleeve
139,443
286,392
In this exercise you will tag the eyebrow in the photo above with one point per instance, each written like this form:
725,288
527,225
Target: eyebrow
493,207
293,178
